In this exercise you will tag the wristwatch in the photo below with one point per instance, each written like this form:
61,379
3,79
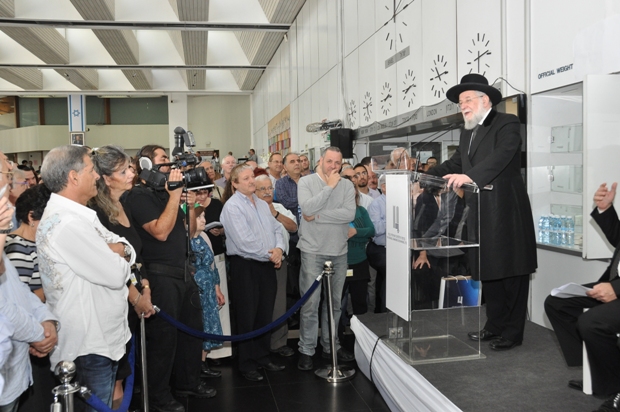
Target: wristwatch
127,250
8,230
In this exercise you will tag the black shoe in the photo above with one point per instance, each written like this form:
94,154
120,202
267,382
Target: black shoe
253,376
272,367
172,406
200,391
576,384
206,372
284,351
343,355
215,362
305,363
611,404
483,335
503,344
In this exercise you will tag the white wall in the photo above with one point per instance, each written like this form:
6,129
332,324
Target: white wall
221,122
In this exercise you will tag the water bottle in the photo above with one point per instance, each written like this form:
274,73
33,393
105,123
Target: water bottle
570,231
541,229
563,235
545,229
554,230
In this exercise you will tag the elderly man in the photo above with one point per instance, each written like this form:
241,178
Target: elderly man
376,248
84,270
327,206
217,191
29,323
255,245
489,153
228,163
160,223
274,167
288,224
599,325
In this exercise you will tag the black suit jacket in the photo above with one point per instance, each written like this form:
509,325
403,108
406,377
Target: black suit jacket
507,233
610,225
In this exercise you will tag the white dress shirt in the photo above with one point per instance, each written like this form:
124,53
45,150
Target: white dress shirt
84,281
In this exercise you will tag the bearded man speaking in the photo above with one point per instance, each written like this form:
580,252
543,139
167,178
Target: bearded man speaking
489,154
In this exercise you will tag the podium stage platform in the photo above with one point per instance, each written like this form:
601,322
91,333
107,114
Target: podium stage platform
531,377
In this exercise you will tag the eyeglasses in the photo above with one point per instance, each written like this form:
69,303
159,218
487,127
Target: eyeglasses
24,183
361,174
461,103
265,189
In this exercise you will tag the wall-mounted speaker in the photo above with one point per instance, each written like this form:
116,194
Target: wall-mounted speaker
343,140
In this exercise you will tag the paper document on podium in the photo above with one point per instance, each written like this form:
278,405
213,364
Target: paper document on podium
570,290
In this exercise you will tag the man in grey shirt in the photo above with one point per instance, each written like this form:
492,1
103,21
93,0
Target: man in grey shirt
327,206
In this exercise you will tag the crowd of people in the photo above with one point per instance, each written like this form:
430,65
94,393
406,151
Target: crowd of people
92,249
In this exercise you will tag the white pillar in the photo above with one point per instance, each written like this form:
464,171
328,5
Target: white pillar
76,104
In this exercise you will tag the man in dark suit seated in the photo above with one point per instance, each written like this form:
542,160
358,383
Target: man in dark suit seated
599,326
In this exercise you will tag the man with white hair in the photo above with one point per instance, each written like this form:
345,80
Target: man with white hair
25,323
489,154
288,225
84,270
228,163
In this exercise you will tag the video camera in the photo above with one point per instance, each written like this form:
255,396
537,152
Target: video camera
193,178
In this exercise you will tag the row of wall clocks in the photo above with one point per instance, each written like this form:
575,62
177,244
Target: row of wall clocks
478,62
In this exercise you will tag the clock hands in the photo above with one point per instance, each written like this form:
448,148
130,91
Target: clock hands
408,88
386,97
438,74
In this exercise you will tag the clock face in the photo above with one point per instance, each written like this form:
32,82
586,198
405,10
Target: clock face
352,113
408,88
367,106
439,73
396,37
478,60
386,99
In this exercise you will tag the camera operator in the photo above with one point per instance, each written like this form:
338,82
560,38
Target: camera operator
160,223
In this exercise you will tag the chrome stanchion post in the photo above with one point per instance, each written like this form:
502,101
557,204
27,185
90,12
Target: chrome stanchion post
145,386
63,394
333,373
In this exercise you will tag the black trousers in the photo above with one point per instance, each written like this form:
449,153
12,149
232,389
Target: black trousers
253,291
597,328
377,259
168,350
506,301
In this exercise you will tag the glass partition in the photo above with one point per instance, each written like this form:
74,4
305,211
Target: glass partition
442,266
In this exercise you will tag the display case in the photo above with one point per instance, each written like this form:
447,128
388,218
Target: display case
432,249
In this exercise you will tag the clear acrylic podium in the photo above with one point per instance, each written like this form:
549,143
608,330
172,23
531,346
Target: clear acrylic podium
432,252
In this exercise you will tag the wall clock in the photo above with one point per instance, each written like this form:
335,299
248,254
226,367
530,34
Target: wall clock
408,87
367,106
352,113
478,60
398,29
386,98
439,73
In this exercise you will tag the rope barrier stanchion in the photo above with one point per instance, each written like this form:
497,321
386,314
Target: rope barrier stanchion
249,335
333,373
64,394
145,386
65,370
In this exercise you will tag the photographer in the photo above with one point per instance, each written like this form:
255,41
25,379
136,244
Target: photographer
160,223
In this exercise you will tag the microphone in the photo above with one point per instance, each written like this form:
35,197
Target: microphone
432,138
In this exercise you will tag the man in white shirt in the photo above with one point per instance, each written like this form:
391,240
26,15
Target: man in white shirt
84,270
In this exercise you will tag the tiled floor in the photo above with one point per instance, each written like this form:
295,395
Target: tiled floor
288,390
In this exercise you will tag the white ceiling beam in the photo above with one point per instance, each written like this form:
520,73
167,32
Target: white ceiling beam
26,78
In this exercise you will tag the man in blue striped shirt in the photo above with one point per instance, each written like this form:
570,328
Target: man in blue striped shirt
255,246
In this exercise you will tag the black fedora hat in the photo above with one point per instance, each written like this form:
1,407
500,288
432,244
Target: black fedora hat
476,82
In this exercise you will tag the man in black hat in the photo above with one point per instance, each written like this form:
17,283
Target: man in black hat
489,154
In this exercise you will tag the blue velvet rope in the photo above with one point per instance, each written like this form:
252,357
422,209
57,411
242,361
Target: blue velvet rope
98,404
245,336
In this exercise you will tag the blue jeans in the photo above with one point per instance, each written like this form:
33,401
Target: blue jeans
98,374
311,267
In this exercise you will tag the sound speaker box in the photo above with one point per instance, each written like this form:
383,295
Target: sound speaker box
343,140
